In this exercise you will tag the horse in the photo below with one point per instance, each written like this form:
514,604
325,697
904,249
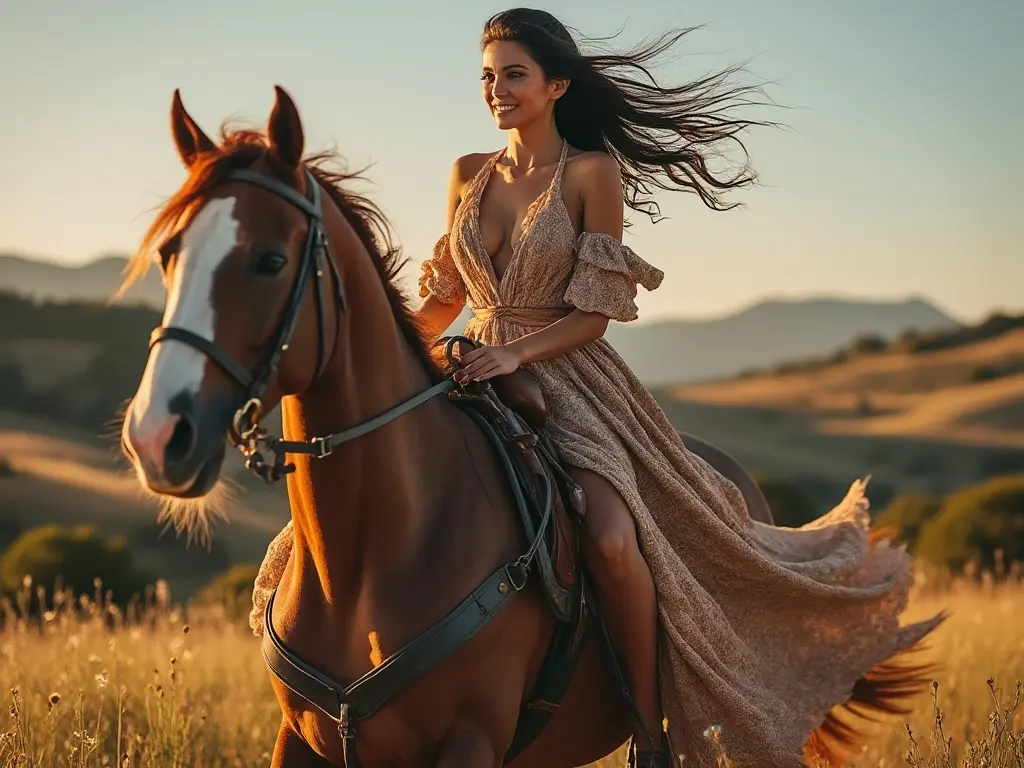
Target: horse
432,534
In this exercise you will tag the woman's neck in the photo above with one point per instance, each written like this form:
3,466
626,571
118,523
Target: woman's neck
533,145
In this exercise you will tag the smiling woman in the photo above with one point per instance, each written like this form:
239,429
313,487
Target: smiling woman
782,638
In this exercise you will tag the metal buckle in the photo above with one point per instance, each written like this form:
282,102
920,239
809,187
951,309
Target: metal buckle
523,572
323,447
345,729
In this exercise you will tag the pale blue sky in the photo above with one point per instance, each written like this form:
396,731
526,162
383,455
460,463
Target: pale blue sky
901,175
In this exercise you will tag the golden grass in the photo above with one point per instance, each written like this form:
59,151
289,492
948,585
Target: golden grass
166,686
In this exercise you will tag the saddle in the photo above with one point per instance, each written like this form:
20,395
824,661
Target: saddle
513,412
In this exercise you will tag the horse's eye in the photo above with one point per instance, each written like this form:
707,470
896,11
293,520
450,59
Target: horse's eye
271,263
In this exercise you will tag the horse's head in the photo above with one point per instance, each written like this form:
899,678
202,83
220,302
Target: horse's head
253,306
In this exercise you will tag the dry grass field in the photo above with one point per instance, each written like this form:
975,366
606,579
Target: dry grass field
165,686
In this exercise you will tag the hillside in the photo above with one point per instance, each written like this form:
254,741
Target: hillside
661,353
69,476
945,414
929,414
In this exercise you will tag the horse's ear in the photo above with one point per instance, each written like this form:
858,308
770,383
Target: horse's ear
285,131
188,136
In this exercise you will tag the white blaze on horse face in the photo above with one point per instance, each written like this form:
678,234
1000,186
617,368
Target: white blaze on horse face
173,366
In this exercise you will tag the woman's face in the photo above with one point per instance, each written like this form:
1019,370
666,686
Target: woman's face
515,89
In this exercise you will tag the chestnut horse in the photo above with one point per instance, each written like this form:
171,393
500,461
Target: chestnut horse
281,290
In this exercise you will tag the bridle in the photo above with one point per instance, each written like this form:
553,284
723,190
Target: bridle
246,434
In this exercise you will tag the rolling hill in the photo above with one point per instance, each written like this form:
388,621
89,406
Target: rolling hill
661,353
932,413
936,419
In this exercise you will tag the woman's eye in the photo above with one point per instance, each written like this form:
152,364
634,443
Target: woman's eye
271,263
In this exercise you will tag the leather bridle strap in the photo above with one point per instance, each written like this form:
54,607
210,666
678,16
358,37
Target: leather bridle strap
322,446
238,372
314,254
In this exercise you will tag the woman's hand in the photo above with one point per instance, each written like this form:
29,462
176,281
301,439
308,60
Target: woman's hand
487,362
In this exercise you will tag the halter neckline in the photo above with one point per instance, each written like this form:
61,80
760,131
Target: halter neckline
532,211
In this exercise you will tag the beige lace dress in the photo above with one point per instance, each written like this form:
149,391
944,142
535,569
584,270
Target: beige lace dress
762,629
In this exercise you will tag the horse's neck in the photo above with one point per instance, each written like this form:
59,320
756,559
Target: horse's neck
363,504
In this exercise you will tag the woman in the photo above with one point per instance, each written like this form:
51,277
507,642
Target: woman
762,629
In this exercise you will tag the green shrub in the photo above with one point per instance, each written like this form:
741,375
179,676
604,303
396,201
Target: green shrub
71,558
231,590
235,583
907,514
868,344
976,522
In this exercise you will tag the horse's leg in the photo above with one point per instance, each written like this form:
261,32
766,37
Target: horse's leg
291,751
726,465
467,746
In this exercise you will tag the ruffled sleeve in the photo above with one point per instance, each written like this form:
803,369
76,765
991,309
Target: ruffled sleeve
439,275
606,275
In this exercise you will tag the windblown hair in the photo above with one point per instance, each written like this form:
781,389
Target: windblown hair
661,136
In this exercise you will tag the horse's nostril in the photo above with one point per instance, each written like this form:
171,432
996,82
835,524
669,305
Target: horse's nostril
182,442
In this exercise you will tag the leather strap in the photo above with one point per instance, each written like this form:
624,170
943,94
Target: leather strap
323,446
373,690
310,207
171,332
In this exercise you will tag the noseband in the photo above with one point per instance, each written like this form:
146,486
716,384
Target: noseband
246,434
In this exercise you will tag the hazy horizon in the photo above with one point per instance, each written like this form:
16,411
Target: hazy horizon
893,182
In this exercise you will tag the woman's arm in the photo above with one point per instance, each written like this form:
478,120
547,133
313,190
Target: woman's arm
435,316
433,313
601,182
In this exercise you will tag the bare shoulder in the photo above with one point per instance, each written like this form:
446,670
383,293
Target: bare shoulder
593,174
463,170
592,167
467,166
594,181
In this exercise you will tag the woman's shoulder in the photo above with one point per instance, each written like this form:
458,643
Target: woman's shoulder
466,167
592,168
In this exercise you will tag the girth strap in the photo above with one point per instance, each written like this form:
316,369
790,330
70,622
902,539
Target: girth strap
369,693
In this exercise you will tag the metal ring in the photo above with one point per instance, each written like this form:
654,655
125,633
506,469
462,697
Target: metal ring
253,405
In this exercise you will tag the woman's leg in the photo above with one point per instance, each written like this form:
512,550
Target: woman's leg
626,596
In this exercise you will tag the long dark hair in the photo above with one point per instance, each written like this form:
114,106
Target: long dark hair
661,136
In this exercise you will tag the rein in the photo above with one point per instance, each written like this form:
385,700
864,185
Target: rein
246,433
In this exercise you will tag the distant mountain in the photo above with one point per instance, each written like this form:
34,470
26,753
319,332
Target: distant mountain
661,353
95,281
764,334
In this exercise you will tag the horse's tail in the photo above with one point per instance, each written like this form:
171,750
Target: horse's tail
886,689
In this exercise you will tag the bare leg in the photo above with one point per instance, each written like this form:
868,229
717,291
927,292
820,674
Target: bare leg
291,751
467,746
626,595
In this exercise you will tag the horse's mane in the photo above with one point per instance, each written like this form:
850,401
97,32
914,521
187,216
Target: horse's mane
241,148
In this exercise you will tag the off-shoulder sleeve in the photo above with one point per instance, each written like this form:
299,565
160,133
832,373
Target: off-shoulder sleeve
606,275
439,275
